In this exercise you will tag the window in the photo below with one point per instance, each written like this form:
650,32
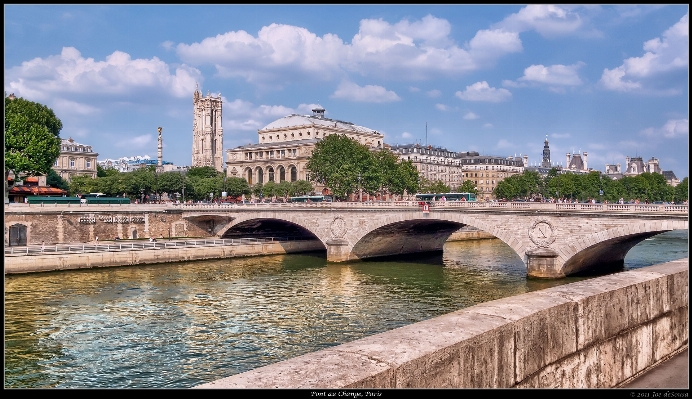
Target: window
55,163
88,163
71,162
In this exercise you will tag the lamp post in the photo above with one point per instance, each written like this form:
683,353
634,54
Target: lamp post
141,190
360,189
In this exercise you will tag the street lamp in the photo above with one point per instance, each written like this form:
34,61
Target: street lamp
141,190
360,189
211,197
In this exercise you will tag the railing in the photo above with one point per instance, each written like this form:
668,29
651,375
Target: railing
61,249
490,205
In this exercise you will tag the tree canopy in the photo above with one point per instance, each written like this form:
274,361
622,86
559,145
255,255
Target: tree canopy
32,141
346,167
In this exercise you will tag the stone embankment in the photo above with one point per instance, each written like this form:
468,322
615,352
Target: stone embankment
85,260
597,333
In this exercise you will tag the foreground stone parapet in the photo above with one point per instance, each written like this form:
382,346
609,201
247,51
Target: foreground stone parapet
597,333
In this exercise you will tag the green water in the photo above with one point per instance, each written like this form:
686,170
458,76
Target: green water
180,325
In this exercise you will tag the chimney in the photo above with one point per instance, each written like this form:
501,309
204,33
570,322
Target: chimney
586,165
567,161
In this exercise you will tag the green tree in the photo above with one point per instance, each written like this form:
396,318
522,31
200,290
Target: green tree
202,172
54,180
101,172
682,191
406,180
343,165
301,187
83,185
468,186
269,189
283,189
258,190
170,183
32,142
433,187
237,186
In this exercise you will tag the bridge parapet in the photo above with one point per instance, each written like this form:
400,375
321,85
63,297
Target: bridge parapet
629,208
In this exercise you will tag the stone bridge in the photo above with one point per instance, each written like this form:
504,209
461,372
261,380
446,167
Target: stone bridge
554,240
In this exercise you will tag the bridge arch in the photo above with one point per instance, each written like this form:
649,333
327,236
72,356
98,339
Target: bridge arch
276,224
431,236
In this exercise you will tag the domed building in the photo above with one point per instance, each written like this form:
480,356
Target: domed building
285,145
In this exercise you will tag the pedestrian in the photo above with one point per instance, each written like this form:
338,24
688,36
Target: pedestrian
97,239
43,246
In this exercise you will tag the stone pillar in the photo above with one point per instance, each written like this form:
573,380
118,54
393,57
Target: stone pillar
542,263
338,250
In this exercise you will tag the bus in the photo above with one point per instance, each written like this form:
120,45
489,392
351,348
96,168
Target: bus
447,196
52,200
311,198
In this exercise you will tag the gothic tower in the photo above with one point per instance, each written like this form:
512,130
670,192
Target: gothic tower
546,154
207,132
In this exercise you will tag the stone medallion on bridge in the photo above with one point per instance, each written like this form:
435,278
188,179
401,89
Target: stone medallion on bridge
338,227
541,233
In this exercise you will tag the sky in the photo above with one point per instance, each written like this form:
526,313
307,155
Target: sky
611,81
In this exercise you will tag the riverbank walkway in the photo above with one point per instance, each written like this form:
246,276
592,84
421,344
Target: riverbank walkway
134,245
673,373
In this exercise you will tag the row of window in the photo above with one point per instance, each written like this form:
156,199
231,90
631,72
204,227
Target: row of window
77,149
293,152
72,163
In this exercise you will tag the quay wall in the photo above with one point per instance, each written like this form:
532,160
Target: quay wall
44,263
596,333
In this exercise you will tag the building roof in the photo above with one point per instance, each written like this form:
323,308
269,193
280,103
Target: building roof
35,190
295,120
669,175
278,144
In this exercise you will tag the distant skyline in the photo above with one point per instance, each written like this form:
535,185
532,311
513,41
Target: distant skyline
612,81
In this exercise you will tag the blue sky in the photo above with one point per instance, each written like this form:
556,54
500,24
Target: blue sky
612,81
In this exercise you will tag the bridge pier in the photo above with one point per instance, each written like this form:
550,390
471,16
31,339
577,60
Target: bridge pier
543,263
338,250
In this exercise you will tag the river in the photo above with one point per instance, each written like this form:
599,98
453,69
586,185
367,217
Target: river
183,324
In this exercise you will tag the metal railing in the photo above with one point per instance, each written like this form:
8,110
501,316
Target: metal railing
116,246
490,205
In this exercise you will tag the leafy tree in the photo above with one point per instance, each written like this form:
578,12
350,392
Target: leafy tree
283,189
258,190
237,186
54,180
468,186
269,189
101,172
202,187
113,186
406,179
202,172
301,187
682,191
432,187
169,183
32,142
83,185
343,165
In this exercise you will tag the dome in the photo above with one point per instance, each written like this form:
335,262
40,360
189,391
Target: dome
295,120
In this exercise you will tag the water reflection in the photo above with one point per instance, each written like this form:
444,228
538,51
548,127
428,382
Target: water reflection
179,325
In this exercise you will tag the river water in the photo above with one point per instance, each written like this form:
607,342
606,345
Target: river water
184,324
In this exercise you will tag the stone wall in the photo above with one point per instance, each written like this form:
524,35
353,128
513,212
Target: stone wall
54,227
597,333
44,263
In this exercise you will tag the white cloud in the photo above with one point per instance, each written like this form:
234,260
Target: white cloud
70,74
488,126
561,135
471,116
413,89
370,93
671,52
244,115
406,135
416,49
671,129
562,75
481,91
62,106
442,107
434,93
502,144
547,20
137,143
